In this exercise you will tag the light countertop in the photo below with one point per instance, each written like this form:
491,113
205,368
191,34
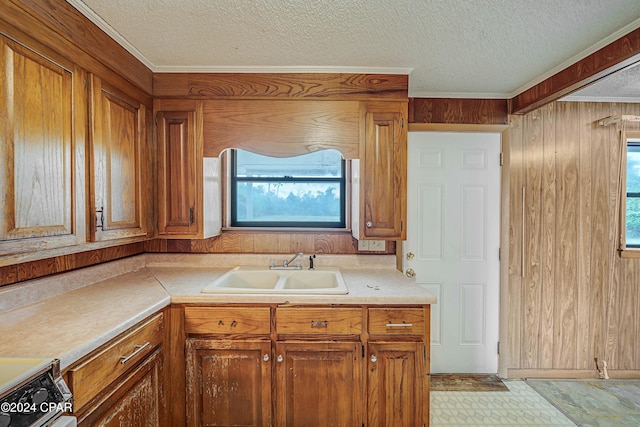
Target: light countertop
67,316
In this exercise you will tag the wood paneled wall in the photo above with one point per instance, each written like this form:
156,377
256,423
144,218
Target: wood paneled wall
458,111
14,273
264,242
571,296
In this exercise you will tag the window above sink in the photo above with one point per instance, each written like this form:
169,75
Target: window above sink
306,191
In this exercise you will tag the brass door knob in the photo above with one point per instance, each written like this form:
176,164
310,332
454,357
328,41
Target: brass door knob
410,273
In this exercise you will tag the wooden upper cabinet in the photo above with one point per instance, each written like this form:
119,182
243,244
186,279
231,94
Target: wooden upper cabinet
380,211
189,188
42,128
177,177
120,164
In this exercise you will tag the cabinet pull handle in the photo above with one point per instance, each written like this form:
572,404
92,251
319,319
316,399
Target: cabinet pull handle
374,359
280,358
190,216
399,325
265,357
233,323
324,323
139,348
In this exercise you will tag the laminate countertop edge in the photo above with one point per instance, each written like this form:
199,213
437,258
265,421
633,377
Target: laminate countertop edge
72,324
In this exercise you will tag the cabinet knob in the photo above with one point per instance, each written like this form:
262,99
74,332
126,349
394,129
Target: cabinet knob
369,224
280,358
265,357
374,359
410,273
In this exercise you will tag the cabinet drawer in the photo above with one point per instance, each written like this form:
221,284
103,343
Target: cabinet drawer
318,321
396,321
95,374
227,320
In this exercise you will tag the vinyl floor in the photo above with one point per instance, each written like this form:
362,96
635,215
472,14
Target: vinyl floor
520,406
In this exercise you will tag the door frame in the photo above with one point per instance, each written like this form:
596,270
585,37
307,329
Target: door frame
503,333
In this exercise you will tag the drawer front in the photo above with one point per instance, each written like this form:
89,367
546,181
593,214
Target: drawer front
99,371
396,321
318,321
227,320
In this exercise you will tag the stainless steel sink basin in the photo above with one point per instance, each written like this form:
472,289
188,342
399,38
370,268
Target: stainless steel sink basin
253,280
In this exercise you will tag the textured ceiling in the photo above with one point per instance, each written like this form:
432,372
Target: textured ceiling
450,48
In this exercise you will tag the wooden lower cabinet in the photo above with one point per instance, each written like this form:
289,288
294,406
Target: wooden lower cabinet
134,402
290,366
318,384
122,384
397,384
228,382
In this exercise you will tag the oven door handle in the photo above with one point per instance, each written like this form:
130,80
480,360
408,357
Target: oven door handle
139,348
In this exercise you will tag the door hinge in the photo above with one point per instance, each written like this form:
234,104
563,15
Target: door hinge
501,159
499,254
363,351
498,347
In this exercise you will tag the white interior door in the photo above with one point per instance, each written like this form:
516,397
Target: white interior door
453,229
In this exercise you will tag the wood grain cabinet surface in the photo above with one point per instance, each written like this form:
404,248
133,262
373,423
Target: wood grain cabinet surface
380,213
120,164
306,366
122,383
42,138
189,185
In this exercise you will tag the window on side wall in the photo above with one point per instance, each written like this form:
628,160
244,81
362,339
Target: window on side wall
632,191
306,191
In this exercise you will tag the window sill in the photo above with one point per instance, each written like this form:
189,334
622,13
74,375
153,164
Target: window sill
630,253
288,230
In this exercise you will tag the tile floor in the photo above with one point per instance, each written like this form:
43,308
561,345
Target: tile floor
520,406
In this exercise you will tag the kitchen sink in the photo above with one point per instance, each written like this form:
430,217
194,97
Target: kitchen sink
255,280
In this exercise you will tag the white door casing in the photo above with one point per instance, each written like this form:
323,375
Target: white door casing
453,240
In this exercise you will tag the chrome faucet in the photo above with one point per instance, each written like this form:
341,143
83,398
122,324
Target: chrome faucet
289,261
286,262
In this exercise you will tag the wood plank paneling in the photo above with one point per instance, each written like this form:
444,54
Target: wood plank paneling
583,358
458,111
589,300
532,284
515,241
548,251
566,221
335,86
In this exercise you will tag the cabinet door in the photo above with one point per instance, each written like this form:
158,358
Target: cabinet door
119,165
228,382
397,385
132,402
383,172
318,384
42,128
177,173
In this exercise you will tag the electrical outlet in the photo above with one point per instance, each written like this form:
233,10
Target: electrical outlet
363,245
377,245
